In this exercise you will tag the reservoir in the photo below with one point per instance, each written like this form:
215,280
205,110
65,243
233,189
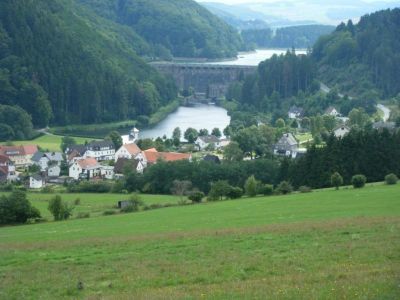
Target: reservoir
208,116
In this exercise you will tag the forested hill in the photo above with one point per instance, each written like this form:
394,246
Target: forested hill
364,56
181,28
63,64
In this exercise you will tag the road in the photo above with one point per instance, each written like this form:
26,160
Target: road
386,111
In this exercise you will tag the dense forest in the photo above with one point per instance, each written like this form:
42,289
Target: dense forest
62,64
180,28
295,36
364,56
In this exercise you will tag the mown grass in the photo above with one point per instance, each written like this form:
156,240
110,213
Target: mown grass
48,142
324,245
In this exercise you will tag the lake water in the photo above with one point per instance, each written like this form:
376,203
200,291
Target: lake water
199,116
208,116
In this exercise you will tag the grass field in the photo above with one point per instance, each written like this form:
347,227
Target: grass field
49,142
322,245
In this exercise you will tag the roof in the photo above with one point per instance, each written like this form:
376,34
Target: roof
80,149
101,144
37,177
330,109
343,127
212,158
288,138
12,150
124,162
37,156
87,163
295,110
4,159
209,139
133,149
54,156
30,149
152,156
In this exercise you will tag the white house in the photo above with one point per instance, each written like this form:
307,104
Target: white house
7,169
100,150
295,112
43,160
132,137
287,146
36,182
85,168
341,131
107,172
129,151
209,140
331,111
53,170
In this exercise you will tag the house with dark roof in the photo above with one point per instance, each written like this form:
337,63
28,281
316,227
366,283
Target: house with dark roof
287,146
7,169
100,150
295,112
331,111
203,142
341,131
44,160
36,181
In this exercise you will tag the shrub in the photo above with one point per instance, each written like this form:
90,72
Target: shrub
305,189
109,212
60,209
16,208
267,189
391,179
251,186
358,181
77,201
83,215
196,197
134,204
48,190
284,188
235,193
336,180
218,190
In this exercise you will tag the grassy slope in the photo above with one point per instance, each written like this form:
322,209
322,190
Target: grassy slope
50,142
327,244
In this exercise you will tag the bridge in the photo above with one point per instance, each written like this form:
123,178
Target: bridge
211,80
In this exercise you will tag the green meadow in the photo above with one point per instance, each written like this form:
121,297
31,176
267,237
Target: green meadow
323,245
49,142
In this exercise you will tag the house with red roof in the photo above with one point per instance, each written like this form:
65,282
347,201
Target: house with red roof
20,155
152,156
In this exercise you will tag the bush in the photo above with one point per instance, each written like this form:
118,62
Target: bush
336,180
235,193
196,197
305,189
77,201
83,215
48,189
134,204
90,187
391,179
60,209
251,186
16,208
218,190
267,189
109,212
284,188
358,181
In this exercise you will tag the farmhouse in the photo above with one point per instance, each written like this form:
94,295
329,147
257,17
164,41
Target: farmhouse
331,111
295,112
100,150
20,155
123,163
129,151
207,141
7,169
44,159
287,146
85,168
36,182
341,131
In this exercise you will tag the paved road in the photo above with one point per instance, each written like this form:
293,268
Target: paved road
386,111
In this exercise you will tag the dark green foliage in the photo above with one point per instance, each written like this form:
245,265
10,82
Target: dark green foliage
391,179
219,189
115,137
295,36
83,215
216,132
60,209
358,181
182,28
191,135
62,63
196,196
372,153
90,187
235,192
67,141
267,189
336,180
16,208
15,123
363,56
284,188
305,189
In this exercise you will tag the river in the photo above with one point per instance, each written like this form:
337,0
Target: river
208,116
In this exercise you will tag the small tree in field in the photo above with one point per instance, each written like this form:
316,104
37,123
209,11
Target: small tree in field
60,209
196,196
358,181
181,187
336,180
218,190
251,186
391,179
284,188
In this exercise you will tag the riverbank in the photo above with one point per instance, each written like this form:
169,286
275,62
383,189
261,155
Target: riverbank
101,130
